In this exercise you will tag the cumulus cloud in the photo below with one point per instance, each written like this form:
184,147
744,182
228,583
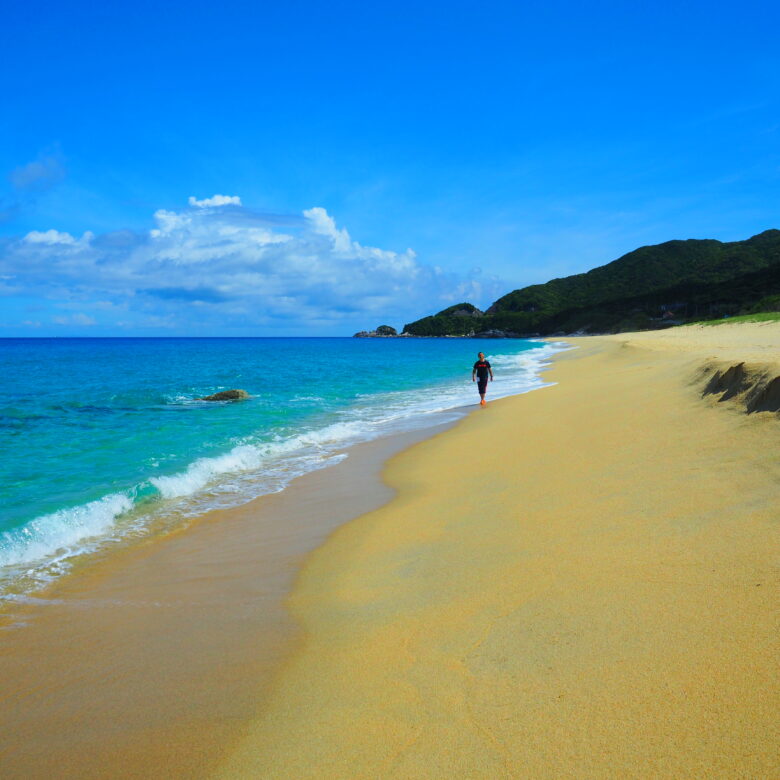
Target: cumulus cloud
230,269
49,237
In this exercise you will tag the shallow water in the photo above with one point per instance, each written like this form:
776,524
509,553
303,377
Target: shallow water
104,439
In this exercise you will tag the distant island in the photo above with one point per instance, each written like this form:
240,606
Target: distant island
383,331
652,287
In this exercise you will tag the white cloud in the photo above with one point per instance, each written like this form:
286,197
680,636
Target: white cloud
323,224
215,200
222,269
49,237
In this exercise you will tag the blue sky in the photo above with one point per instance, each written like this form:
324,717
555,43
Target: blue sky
376,162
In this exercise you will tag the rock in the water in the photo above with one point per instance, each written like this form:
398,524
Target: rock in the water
226,395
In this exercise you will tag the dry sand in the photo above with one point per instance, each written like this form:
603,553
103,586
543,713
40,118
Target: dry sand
576,582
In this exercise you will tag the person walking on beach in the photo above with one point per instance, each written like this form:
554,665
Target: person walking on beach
482,369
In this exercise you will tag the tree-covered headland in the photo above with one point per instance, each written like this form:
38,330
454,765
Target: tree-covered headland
651,287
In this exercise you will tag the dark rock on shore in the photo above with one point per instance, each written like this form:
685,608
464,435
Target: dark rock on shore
490,334
496,334
226,395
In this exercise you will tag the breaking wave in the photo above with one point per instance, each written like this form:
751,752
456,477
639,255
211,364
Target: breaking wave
258,464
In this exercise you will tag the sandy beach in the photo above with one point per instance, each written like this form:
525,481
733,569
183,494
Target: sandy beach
154,660
575,582
262,517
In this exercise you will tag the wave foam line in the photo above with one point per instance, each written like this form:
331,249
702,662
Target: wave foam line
60,531
52,538
249,457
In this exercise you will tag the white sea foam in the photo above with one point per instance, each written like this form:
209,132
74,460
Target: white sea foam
382,413
254,467
60,532
251,457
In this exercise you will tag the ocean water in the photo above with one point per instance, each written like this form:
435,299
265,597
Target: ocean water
104,440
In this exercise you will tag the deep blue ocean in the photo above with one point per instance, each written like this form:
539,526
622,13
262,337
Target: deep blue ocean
103,440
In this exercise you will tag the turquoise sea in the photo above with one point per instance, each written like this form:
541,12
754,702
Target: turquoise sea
103,440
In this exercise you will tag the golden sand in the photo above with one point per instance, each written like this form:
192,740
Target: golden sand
150,662
576,582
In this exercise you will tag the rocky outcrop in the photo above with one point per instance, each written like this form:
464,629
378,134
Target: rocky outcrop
496,334
383,331
226,395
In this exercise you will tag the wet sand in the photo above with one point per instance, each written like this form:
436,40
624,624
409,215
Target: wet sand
154,661
576,582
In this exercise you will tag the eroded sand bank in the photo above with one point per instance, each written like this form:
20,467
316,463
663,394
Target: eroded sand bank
576,582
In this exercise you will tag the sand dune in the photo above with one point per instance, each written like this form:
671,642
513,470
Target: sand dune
577,582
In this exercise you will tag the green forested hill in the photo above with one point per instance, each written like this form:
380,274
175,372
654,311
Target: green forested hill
649,287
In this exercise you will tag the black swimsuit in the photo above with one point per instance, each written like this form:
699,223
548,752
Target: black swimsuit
482,367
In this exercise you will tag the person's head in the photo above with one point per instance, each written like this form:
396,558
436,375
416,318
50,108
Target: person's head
481,355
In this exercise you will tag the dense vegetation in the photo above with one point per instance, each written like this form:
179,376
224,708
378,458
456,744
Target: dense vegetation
385,330
651,287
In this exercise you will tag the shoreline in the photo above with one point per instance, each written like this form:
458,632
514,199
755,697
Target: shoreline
153,658
193,685
590,596
241,452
